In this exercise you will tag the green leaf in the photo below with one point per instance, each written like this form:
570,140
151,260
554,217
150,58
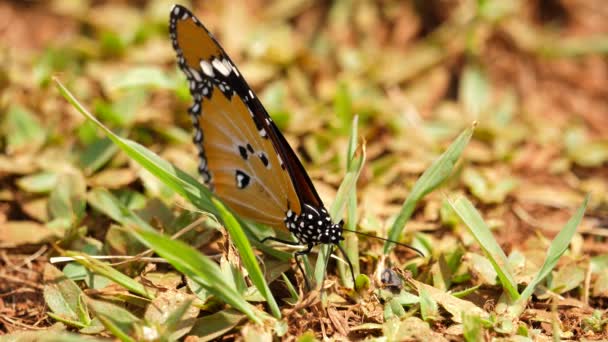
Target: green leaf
67,200
455,306
346,191
472,326
120,322
22,130
198,267
428,306
429,181
123,109
474,90
105,202
343,110
176,179
211,327
292,290
567,278
558,247
38,183
61,295
170,176
96,154
107,271
141,77
482,234
247,255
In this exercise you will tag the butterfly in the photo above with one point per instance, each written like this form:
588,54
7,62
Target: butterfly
243,157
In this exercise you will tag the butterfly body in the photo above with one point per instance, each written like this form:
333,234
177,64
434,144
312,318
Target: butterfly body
243,157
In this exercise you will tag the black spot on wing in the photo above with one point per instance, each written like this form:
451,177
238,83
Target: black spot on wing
242,179
243,152
263,158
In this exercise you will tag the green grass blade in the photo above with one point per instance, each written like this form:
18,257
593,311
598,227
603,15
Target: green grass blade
198,267
105,202
429,181
558,247
351,242
345,191
482,234
120,322
107,271
292,290
178,180
354,165
247,256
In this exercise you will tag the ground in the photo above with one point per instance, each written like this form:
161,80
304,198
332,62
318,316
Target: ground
530,76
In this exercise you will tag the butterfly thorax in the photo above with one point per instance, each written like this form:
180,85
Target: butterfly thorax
313,226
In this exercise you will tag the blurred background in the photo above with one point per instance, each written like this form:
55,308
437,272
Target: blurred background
533,74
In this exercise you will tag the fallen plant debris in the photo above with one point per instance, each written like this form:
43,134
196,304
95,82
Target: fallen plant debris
474,131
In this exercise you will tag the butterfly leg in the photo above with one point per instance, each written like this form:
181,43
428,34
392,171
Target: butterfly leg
299,254
350,264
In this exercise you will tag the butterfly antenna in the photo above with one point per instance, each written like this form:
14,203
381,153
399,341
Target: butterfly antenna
388,240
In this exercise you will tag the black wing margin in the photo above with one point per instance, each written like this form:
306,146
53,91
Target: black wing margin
226,73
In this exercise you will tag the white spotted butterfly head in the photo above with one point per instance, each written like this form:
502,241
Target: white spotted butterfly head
243,157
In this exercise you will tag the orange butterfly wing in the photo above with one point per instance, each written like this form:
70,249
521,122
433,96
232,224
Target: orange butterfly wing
238,160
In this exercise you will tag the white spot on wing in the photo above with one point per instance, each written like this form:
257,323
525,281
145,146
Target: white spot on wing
219,66
227,64
195,74
207,68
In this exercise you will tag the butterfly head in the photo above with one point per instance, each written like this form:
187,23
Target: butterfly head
333,234
313,226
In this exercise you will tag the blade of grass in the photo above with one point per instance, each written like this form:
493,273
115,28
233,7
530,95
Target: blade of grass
290,288
429,181
176,179
351,242
105,202
212,327
247,256
120,322
345,190
482,234
198,267
107,271
558,247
